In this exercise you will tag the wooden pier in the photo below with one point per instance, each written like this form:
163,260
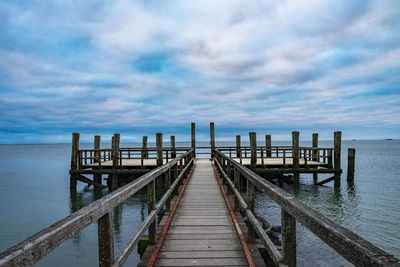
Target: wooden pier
265,160
209,217
202,232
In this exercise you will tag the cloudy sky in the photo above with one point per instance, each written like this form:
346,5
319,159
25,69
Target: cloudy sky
141,67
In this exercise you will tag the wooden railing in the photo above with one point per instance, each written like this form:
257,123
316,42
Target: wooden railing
89,156
323,155
40,244
348,244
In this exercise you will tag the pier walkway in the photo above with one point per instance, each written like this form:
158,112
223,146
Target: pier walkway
202,232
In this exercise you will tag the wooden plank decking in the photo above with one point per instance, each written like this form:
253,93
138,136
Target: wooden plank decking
202,232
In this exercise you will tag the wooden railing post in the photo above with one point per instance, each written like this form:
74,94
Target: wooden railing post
229,174
151,202
212,137
288,239
193,139
145,153
351,154
251,193
337,146
236,181
268,145
295,156
105,240
176,173
253,147
74,159
238,146
173,149
115,158
159,147
97,176
167,186
315,155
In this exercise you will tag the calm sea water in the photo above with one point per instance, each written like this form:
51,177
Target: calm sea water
34,193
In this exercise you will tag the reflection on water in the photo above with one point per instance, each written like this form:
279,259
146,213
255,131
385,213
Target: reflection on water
39,196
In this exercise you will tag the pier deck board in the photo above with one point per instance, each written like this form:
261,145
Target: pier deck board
202,232
245,161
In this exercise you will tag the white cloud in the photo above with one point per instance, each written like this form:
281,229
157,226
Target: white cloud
286,63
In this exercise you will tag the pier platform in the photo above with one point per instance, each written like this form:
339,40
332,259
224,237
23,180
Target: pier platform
276,162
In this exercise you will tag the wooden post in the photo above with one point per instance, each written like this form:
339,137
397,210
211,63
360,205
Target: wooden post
236,181
167,186
229,172
253,147
105,240
74,159
151,200
97,176
268,145
337,146
295,156
315,155
176,173
251,193
173,149
115,157
288,239
193,132
212,137
330,165
238,151
145,153
351,154
75,150
159,148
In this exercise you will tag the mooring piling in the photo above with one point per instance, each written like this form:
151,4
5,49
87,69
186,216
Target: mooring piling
238,152
159,148
253,150
351,154
337,146
74,159
212,137
145,153
268,145
315,155
97,176
193,136
295,156
115,160
173,149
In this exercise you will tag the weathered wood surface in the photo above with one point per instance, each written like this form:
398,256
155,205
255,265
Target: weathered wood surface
351,154
202,232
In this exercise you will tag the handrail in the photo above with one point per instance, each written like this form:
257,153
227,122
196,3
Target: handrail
271,249
352,247
32,249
